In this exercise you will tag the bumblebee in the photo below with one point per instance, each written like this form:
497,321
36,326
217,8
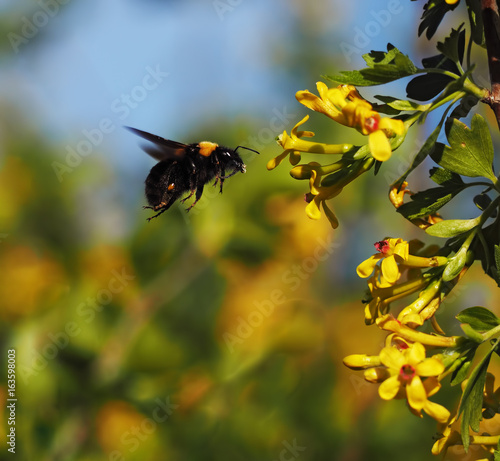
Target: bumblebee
185,168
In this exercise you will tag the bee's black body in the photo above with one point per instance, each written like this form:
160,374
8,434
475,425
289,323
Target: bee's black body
185,168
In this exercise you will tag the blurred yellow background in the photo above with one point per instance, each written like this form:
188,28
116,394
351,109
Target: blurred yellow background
217,334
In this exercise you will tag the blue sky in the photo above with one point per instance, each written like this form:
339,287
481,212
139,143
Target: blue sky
224,58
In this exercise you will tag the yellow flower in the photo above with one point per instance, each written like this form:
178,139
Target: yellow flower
361,361
407,367
390,251
395,253
396,196
446,437
293,145
389,323
316,200
346,106
383,293
451,2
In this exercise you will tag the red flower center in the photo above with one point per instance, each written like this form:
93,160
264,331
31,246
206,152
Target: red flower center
371,124
382,246
406,373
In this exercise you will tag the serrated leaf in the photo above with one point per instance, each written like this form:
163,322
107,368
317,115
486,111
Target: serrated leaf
444,177
476,21
452,227
479,318
434,12
471,403
383,67
464,107
453,45
427,202
471,150
426,87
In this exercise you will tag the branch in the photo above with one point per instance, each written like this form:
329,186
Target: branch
491,22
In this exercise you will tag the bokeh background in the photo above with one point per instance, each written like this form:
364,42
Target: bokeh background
217,334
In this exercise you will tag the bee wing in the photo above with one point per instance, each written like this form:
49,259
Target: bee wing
160,148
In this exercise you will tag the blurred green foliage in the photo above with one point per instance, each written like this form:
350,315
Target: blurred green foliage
217,334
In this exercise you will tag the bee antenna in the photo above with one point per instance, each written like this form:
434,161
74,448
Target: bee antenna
247,148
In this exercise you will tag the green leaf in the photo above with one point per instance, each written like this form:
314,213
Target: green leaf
479,318
399,104
383,67
434,12
428,201
452,227
497,263
453,46
445,177
471,404
462,365
476,21
471,150
422,154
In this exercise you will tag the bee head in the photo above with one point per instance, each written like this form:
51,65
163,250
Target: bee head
232,161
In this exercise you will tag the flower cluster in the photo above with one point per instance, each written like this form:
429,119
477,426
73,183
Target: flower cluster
404,372
344,105
385,286
397,270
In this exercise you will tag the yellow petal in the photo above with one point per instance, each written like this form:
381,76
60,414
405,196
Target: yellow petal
295,131
376,375
371,311
379,145
312,208
396,126
389,388
431,385
430,367
392,358
436,411
415,354
366,268
330,216
361,361
416,393
311,101
274,162
401,248
390,270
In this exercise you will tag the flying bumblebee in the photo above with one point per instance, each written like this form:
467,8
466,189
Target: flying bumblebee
185,168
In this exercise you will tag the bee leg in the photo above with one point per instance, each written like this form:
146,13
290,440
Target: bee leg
189,196
229,175
219,177
157,214
199,193
156,207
